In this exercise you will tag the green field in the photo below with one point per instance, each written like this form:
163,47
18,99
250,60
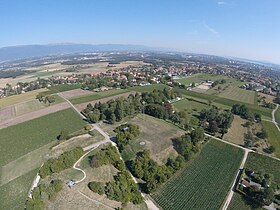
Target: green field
95,96
277,116
190,107
13,194
22,138
273,135
205,182
240,202
258,162
148,88
200,77
224,102
238,94
65,87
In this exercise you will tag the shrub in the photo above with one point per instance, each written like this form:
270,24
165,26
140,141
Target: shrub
97,187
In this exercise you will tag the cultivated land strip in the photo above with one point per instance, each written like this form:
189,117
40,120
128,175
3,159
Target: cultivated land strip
33,115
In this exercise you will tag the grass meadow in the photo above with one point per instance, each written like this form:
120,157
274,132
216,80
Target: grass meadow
273,136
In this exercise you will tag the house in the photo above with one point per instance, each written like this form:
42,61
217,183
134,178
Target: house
245,183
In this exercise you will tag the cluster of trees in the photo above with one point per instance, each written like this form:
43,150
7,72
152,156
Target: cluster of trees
214,120
43,193
190,143
244,112
155,103
217,82
47,99
125,133
105,156
153,174
123,188
64,161
143,167
114,110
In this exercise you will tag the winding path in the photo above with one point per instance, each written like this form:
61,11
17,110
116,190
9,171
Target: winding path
273,117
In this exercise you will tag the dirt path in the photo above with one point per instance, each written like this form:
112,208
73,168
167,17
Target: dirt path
33,115
149,203
73,107
273,117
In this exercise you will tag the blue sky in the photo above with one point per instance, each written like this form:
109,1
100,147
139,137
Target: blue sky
240,28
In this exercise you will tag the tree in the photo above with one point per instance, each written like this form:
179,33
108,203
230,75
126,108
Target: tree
94,116
213,127
63,134
97,187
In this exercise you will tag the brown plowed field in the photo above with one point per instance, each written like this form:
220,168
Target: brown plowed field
7,112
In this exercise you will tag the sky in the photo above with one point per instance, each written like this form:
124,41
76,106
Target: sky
239,28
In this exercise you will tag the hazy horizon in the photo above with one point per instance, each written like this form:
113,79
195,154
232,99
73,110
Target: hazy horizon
231,28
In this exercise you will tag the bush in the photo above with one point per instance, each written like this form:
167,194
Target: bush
97,187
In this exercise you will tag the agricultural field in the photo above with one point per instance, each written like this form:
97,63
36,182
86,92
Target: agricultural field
240,202
13,194
148,88
267,97
238,94
205,182
225,102
62,88
155,135
98,95
236,131
74,93
28,106
273,136
258,162
22,138
11,100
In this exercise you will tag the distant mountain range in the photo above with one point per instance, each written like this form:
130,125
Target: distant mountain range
28,51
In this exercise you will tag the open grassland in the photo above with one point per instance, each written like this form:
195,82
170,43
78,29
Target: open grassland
236,131
11,100
200,77
13,195
221,102
98,95
240,202
273,136
262,163
155,135
148,88
190,107
22,138
205,182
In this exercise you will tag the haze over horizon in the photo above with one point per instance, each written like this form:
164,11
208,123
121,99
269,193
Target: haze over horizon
245,29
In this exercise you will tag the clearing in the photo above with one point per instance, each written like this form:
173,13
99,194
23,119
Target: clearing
204,183
155,135
273,136
236,131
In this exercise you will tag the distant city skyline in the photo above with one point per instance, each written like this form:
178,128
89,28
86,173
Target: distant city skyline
245,29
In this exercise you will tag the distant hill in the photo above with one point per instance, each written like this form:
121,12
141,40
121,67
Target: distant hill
28,51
